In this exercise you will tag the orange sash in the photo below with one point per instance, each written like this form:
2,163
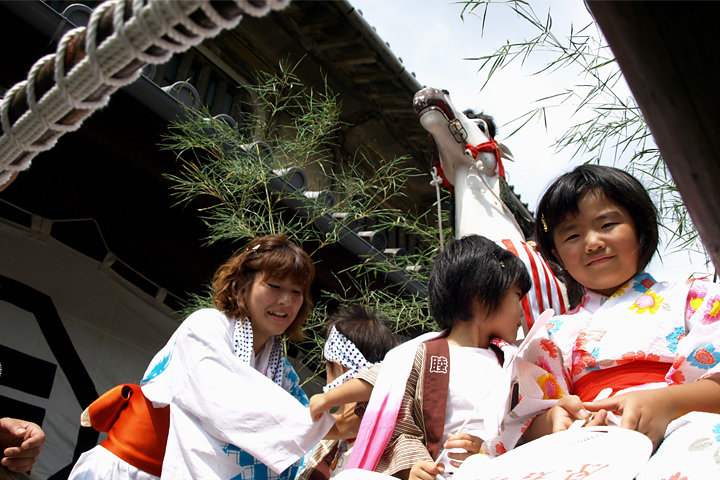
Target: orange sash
137,431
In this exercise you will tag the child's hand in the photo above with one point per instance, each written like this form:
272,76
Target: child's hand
645,411
318,406
470,443
569,409
425,470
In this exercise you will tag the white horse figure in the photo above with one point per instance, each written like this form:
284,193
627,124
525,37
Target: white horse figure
472,163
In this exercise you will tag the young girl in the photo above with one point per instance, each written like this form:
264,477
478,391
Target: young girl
654,347
454,379
236,409
357,338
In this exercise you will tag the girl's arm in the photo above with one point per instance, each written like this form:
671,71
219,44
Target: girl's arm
353,391
650,411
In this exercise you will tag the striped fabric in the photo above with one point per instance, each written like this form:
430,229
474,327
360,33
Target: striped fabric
407,444
546,291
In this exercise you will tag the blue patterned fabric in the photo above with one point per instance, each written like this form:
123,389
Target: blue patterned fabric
254,469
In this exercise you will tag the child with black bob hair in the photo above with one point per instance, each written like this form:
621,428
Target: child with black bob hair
621,188
431,387
646,350
455,291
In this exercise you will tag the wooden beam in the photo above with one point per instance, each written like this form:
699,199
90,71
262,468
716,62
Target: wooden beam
668,54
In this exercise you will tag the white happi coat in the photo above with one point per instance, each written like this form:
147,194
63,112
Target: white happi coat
227,420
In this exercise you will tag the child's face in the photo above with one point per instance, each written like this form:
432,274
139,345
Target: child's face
599,246
506,320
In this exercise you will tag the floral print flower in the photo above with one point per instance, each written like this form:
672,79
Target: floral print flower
676,476
550,387
675,377
674,337
630,357
698,302
549,347
711,310
679,360
553,325
642,282
704,357
581,341
648,302
716,431
620,291
583,360
695,298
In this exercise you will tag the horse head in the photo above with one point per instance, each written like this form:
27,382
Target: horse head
460,139
471,162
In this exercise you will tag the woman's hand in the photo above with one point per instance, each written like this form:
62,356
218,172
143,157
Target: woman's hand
470,443
425,470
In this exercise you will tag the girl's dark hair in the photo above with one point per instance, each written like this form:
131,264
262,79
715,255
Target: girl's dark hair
562,197
273,256
366,329
472,272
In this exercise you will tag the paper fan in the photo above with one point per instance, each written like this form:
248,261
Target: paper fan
589,453
359,474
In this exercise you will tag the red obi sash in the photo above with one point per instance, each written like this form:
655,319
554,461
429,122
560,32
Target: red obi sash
619,378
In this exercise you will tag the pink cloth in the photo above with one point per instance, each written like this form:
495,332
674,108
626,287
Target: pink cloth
381,414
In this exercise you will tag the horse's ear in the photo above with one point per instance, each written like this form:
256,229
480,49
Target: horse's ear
505,152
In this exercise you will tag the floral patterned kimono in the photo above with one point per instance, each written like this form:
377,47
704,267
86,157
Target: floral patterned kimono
646,335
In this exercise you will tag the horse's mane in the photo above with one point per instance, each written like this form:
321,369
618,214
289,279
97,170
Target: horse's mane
470,113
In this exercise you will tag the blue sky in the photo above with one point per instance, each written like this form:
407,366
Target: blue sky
433,41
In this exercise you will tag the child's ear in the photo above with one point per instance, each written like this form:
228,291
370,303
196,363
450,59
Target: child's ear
337,368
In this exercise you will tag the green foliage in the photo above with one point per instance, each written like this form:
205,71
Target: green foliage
609,126
235,176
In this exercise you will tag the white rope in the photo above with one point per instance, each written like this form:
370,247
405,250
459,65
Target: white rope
437,183
153,24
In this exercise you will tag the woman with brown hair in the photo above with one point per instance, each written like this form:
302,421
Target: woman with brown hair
236,409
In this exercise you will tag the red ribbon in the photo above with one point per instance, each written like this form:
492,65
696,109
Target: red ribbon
488,147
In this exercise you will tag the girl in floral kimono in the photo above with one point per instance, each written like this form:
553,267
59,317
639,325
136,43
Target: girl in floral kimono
652,348
233,407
